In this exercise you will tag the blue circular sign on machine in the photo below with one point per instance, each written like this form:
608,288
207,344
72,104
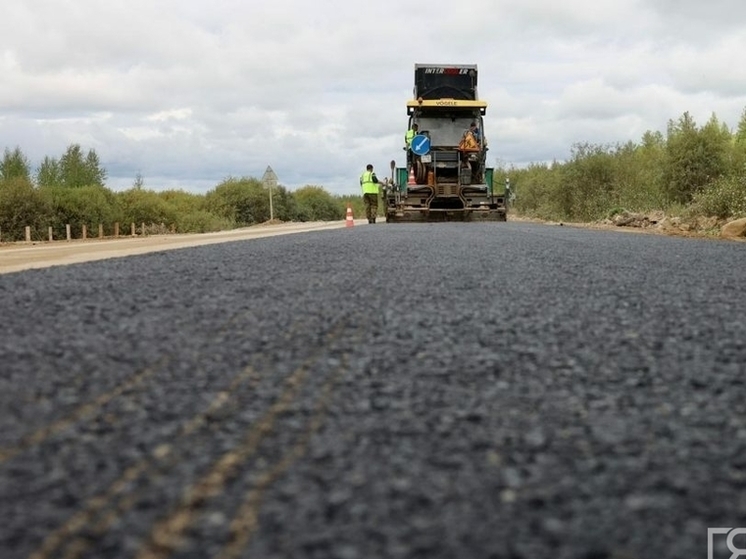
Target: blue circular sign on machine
420,145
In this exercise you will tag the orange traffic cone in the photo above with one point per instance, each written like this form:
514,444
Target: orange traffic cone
349,221
411,180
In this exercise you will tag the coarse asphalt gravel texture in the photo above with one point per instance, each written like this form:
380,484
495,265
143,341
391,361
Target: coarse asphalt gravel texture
487,390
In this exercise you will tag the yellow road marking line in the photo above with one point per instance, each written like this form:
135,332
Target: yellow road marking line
246,520
167,534
84,517
42,434
79,413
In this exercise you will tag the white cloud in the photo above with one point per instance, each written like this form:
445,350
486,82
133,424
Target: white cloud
188,93
170,114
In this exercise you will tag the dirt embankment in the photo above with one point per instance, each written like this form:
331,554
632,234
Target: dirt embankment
659,223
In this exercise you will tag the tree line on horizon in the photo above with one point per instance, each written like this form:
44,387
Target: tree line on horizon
690,171
71,190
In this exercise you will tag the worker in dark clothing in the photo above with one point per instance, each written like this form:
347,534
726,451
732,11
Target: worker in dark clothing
369,184
474,129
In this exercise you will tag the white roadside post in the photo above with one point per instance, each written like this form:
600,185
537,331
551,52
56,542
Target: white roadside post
269,179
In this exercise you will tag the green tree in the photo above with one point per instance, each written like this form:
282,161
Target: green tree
15,165
139,182
741,131
94,172
49,172
695,157
648,191
738,156
717,138
72,167
77,170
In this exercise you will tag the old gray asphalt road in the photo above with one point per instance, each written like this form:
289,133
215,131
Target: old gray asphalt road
482,391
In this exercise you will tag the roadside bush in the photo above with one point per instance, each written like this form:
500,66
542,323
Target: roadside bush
145,206
725,198
284,205
316,204
86,205
243,201
22,205
183,202
537,189
202,221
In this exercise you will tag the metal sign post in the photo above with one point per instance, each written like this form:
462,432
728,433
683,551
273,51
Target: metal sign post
269,179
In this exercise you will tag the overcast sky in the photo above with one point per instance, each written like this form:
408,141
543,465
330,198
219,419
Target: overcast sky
189,92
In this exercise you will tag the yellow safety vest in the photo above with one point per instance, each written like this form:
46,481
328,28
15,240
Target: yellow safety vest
366,181
409,136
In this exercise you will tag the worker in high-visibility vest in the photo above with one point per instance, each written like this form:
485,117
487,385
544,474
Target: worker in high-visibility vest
409,136
369,184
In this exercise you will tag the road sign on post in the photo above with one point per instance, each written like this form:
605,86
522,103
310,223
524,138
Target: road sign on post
420,145
269,179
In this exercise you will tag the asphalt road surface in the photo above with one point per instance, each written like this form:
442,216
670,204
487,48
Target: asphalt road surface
496,390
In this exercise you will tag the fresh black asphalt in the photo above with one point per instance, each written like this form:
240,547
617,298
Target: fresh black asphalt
496,390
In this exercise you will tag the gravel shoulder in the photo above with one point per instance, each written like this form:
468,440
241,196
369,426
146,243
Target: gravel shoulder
676,229
15,257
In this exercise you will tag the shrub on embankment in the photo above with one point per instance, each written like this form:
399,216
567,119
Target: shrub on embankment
692,171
